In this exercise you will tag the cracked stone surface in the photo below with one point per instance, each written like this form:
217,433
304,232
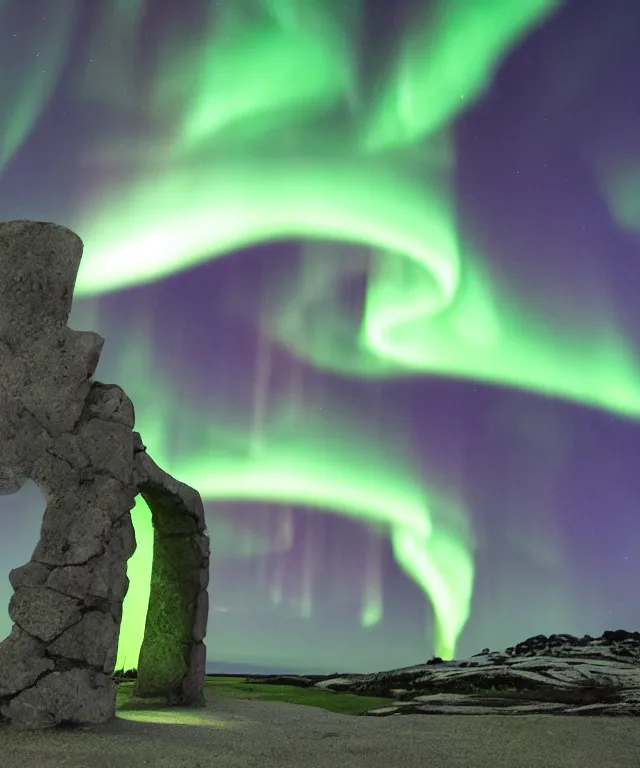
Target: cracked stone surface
74,438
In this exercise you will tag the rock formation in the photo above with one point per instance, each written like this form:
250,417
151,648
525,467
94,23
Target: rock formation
74,438
555,675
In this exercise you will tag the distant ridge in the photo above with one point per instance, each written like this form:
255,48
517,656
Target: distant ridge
239,668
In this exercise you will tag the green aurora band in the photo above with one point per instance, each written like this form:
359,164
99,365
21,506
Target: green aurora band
262,132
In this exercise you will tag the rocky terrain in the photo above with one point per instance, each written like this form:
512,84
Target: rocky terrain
555,675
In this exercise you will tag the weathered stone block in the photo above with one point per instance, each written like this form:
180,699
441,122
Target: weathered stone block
22,662
31,574
75,696
109,402
192,690
43,613
108,445
72,534
89,641
201,616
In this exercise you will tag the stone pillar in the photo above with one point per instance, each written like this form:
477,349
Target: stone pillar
173,655
74,438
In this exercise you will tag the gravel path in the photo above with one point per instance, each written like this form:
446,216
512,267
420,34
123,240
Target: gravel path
230,733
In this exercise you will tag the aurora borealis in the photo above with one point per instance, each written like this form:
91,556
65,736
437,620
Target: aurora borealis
370,279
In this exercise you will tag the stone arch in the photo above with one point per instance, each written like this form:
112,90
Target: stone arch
74,438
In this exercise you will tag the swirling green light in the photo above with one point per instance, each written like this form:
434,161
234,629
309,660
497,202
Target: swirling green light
245,184
326,460
260,163
261,132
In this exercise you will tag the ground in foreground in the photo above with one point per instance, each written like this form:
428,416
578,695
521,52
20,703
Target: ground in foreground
247,689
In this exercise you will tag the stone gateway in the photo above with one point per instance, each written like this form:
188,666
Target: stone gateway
74,438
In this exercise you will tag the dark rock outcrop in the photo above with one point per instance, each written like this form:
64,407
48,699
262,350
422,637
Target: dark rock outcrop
559,674
74,437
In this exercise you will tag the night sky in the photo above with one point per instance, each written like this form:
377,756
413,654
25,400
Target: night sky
371,280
